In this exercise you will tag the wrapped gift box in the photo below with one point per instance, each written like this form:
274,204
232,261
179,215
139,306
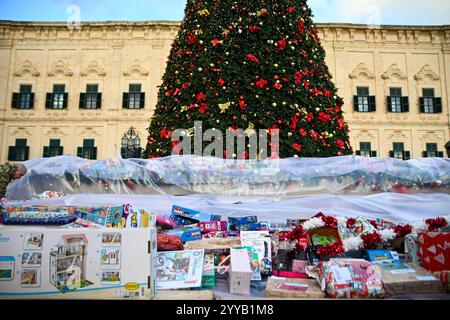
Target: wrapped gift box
444,276
408,278
435,250
350,278
86,263
293,288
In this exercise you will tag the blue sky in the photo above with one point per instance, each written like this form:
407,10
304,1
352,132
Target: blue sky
419,12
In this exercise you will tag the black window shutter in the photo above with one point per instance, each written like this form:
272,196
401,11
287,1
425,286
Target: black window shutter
389,104
99,100
440,154
82,100
422,104
32,100
94,153
12,154
27,153
60,151
373,154
358,152
391,154
49,100
437,105
15,100
424,154
406,155
46,153
142,102
80,152
405,104
125,103
66,100
355,103
372,104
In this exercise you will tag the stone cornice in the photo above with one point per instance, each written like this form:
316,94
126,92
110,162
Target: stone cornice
114,30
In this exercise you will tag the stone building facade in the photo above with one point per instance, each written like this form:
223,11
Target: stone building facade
77,91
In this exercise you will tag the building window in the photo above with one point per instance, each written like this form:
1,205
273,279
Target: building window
54,149
134,98
397,103
88,150
365,150
24,99
92,99
399,152
432,151
429,103
58,98
363,102
19,152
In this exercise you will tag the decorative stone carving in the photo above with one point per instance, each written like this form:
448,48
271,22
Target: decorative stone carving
93,67
27,67
394,70
89,132
361,69
21,132
60,67
426,71
432,136
135,68
398,134
55,132
366,134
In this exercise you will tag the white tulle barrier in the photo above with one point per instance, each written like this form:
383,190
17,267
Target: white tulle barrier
394,207
206,175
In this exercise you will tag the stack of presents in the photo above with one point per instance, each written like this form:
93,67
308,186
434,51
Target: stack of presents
128,252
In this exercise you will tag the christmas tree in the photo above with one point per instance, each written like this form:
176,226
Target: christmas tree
251,64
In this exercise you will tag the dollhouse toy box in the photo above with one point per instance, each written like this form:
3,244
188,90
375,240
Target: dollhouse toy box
77,263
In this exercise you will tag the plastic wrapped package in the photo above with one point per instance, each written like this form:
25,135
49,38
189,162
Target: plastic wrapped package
350,278
191,174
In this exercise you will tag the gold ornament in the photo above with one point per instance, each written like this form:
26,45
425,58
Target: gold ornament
184,108
204,12
250,130
224,107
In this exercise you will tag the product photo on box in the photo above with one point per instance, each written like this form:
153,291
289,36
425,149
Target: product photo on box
82,263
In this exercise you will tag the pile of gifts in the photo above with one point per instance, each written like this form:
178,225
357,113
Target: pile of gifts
320,257
325,256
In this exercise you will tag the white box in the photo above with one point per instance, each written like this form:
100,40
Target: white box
240,272
77,263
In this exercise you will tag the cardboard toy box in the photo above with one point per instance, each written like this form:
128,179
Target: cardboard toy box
195,215
77,263
240,272
408,278
293,288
